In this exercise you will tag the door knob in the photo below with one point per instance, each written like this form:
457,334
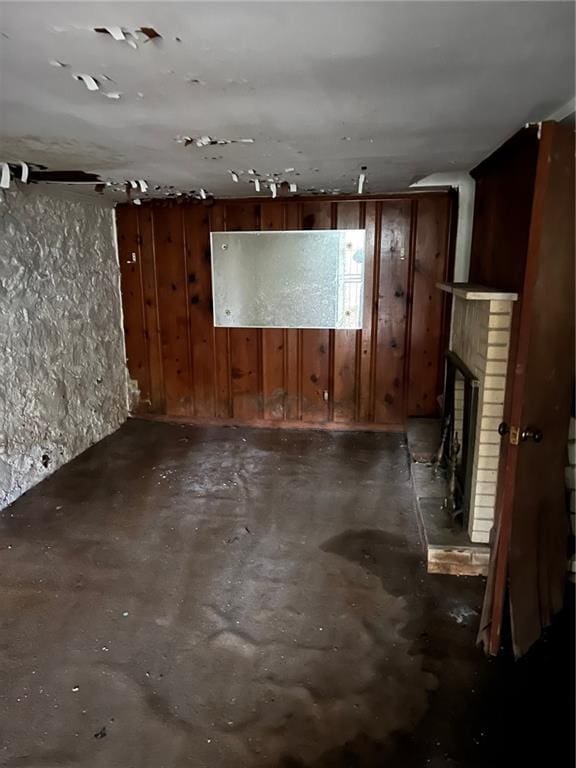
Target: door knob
503,429
531,433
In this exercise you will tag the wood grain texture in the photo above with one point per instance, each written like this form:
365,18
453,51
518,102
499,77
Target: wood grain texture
425,363
348,216
292,342
504,185
173,310
245,343
150,309
528,568
315,351
199,281
135,332
273,341
221,340
391,312
188,368
365,371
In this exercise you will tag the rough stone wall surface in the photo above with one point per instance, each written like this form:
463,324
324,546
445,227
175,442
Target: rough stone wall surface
62,361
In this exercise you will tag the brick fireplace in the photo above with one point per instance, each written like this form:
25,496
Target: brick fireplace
480,337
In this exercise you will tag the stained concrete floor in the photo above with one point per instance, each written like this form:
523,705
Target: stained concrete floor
229,598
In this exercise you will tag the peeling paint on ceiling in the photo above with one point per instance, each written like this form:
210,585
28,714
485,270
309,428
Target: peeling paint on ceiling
347,96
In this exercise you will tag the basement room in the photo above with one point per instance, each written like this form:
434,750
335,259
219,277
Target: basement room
287,384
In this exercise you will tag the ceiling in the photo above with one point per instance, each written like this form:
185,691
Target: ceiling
401,89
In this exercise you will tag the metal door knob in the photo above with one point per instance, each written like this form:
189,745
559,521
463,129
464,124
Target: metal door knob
531,433
503,428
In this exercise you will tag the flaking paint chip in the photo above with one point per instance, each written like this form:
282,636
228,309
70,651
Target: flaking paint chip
150,32
116,32
24,170
90,82
5,176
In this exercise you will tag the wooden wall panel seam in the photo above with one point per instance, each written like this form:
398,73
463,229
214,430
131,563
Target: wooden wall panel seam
410,299
358,349
375,310
189,342
145,331
220,339
154,341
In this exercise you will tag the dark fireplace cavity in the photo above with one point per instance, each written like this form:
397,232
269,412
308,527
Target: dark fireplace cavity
456,453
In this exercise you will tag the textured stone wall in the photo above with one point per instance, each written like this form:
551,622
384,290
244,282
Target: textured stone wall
62,362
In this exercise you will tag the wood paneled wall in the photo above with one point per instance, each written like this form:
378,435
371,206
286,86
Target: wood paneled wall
502,212
186,367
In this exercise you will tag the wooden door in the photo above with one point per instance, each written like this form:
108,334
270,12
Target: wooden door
528,569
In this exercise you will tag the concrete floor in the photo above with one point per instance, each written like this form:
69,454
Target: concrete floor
229,598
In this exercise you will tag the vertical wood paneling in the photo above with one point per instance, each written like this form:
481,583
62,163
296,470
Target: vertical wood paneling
392,287
245,343
368,333
173,309
150,306
131,281
187,367
221,340
292,340
344,365
426,327
273,367
315,352
199,279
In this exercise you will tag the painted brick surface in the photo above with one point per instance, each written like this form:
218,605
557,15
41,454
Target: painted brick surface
481,337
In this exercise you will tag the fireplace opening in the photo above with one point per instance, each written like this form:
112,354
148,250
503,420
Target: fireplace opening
456,452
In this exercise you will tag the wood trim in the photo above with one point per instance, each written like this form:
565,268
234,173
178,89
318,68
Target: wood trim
410,302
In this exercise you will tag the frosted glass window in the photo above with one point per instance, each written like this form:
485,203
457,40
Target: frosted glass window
302,279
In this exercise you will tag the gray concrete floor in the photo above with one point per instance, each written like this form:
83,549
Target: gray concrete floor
229,598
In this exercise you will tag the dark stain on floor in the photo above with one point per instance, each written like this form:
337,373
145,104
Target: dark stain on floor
235,598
